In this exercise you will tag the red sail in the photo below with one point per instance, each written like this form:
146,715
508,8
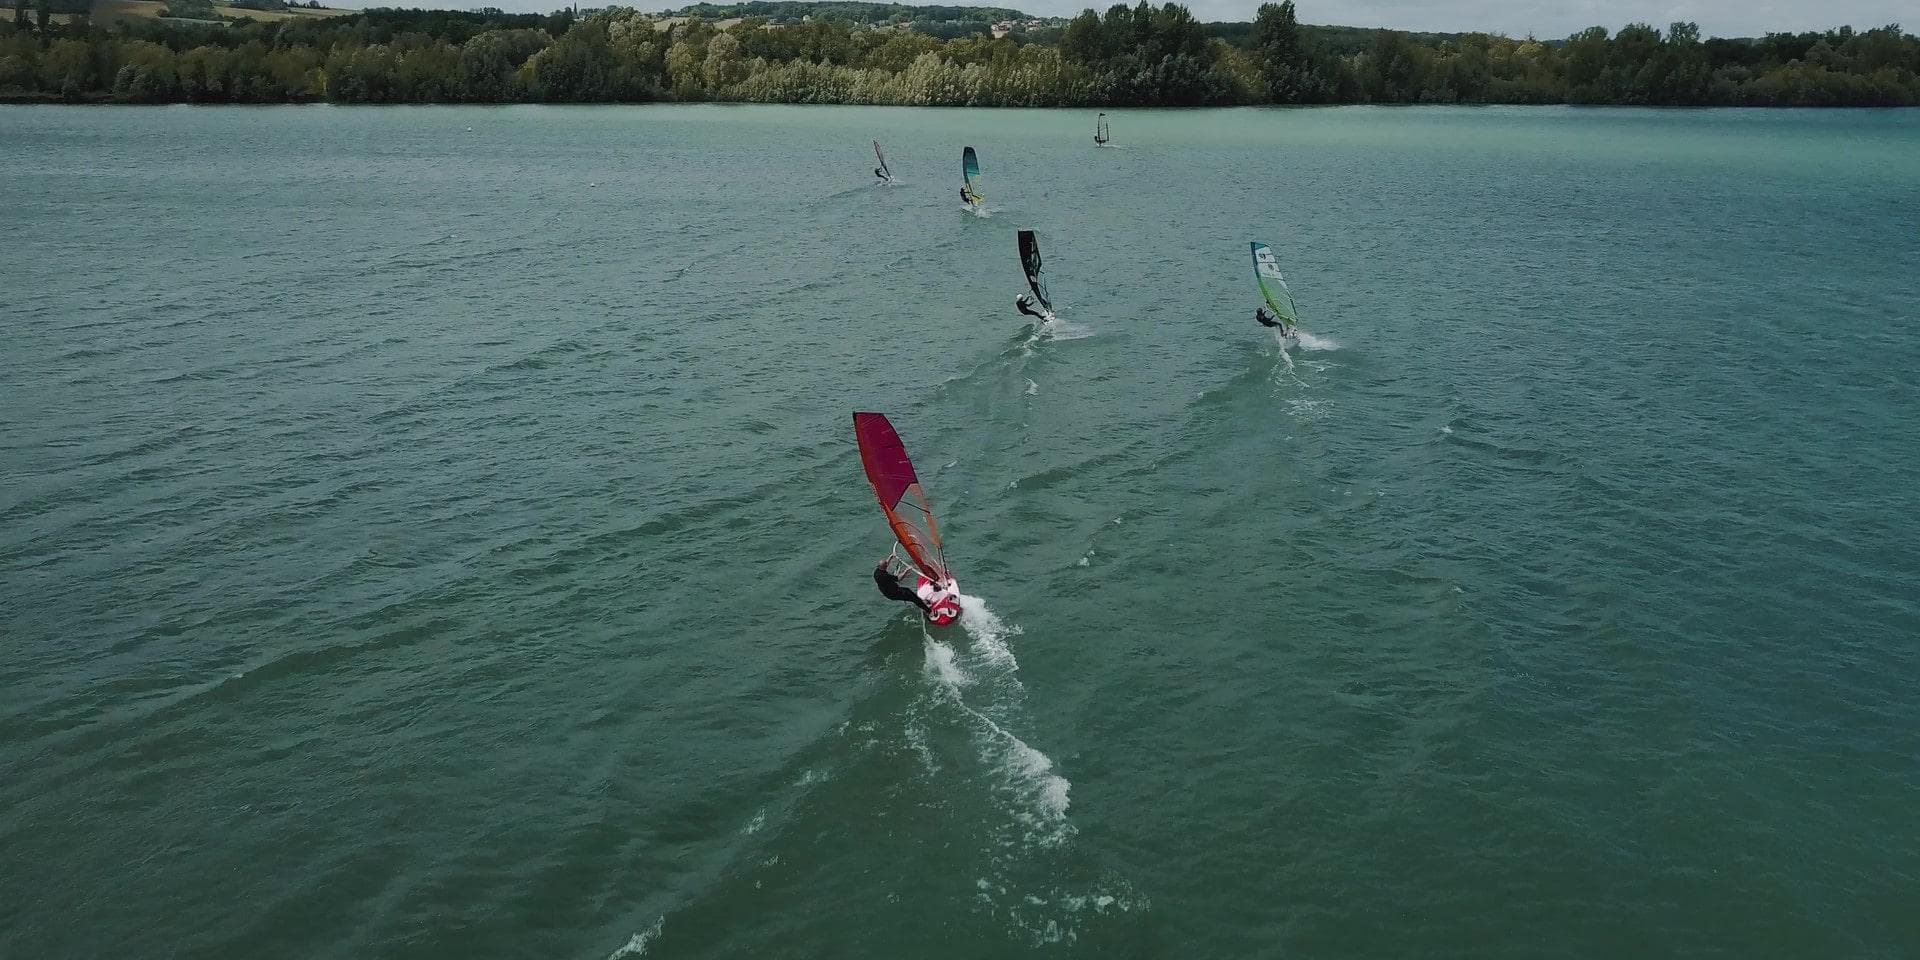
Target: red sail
900,494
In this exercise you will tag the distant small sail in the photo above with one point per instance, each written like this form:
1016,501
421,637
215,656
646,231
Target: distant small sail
970,173
1273,286
885,171
1030,262
1100,134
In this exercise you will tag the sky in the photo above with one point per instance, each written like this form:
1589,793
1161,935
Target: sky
1515,18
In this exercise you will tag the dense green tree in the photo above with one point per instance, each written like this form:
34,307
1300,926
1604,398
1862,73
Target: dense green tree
487,63
354,74
1633,72
1523,72
1585,55
1685,77
19,64
1292,67
899,51
68,69
577,68
147,74
1277,46
639,58
190,9
1395,70
1082,41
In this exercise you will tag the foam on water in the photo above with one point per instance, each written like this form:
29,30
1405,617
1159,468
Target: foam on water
1060,329
1305,408
1310,342
1022,773
1280,347
989,633
636,946
1056,916
917,740
942,665
1032,771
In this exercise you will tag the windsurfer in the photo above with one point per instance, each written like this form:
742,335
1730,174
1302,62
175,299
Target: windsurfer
1266,319
934,591
891,587
1025,305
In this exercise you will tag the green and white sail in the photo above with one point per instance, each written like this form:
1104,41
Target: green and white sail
1273,286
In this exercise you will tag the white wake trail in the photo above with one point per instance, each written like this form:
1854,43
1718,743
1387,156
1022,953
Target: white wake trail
989,669
636,946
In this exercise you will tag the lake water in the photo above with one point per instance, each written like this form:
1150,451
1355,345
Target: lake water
438,533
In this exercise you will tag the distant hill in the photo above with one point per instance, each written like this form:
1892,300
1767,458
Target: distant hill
793,10
1337,40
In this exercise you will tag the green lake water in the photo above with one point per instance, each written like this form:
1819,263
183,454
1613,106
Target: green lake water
437,532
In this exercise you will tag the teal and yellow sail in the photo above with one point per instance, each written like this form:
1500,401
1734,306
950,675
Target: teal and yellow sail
1273,286
970,175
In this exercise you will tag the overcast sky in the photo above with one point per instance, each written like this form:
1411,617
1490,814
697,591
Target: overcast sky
1517,18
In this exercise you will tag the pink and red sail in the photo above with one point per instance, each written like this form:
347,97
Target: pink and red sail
900,494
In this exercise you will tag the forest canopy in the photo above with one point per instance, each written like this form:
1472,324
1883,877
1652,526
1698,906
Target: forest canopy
1139,55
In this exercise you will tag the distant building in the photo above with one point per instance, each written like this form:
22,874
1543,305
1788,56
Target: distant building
1002,28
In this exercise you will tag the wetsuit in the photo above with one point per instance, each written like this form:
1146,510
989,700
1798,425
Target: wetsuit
1265,320
967,197
877,173
891,588
1026,307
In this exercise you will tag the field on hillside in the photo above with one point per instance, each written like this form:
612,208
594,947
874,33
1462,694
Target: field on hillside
106,11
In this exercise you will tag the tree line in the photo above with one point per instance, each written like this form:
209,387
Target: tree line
1128,56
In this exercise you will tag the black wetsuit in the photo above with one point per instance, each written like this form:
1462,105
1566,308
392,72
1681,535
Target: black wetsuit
1261,315
891,588
967,197
1027,308
877,173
